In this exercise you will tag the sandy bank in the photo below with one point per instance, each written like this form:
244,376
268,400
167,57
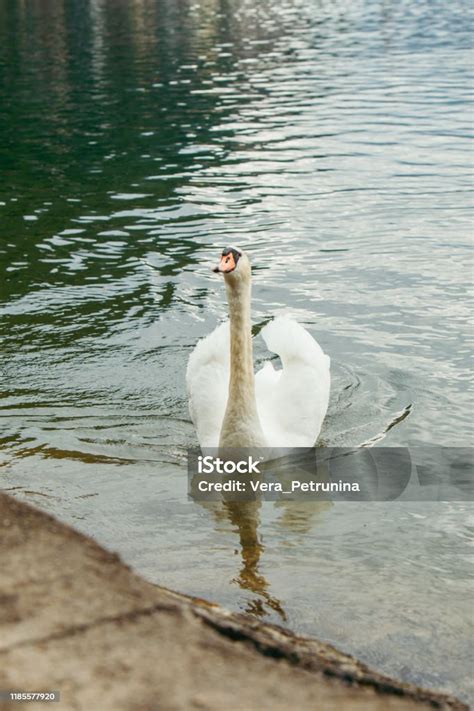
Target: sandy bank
73,618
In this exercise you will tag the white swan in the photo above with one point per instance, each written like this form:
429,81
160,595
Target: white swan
230,407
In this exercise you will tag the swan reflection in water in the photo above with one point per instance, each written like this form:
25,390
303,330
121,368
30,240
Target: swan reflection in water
244,517
374,470
297,518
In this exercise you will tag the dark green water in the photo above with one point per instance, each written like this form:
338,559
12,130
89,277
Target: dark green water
331,141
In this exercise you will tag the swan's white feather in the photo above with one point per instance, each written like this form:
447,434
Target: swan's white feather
207,381
291,401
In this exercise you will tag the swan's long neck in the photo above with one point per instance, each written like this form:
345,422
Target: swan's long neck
241,426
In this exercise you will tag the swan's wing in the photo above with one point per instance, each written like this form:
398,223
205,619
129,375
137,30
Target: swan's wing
292,402
207,381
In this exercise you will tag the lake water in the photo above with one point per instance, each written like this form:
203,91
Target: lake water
331,141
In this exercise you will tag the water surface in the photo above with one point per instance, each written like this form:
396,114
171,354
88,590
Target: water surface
331,141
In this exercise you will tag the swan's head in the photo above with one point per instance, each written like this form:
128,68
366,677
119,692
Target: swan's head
234,265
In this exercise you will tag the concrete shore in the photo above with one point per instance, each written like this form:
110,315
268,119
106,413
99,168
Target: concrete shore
75,619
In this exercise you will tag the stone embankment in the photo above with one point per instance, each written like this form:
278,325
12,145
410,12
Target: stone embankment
75,619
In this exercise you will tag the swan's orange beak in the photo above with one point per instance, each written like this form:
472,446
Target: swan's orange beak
226,265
